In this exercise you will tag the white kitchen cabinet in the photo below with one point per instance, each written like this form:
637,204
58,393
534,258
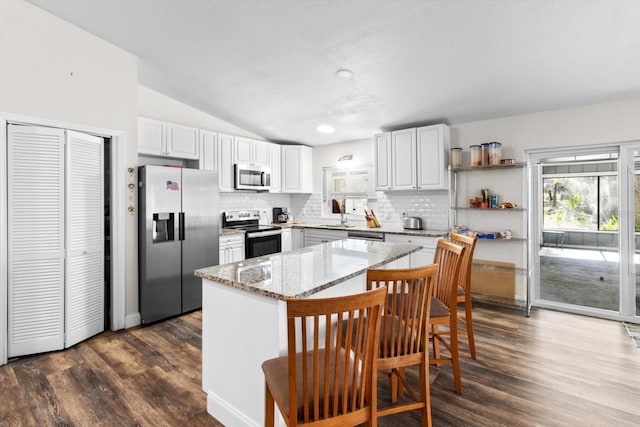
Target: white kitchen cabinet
151,137
231,248
225,162
297,238
422,257
165,139
412,159
208,150
276,169
297,173
383,160
403,159
433,157
252,152
315,236
286,244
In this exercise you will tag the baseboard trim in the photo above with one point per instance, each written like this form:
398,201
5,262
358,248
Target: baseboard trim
226,413
132,320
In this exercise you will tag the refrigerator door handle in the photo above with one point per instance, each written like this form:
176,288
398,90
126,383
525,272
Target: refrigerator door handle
181,227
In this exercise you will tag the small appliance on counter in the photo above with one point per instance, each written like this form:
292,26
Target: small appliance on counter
411,223
280,215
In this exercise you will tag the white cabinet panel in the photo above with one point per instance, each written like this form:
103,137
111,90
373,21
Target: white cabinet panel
183,142
315,236
151,137
243,150
225,161
208,150
261,153
297,238
158,138
433,157
286,240
403,159
422,257
276,169
383,160
297,162
231,248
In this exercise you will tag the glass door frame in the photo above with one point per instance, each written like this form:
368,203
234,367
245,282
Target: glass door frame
626,243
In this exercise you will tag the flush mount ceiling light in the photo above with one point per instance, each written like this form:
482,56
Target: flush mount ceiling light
325,129
343,73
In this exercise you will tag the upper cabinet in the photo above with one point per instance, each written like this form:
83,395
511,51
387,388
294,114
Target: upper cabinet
412,159
433,157
225,161
252,152
157,138
208,150
276,168
297,175
383,160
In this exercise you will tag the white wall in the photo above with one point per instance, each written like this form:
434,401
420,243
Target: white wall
590,124
155,105
52,70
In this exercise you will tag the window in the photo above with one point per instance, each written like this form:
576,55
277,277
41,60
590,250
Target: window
581,196
351,188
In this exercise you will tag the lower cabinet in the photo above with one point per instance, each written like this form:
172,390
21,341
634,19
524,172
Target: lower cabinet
422,257
297,238
315,236
231,248
286,240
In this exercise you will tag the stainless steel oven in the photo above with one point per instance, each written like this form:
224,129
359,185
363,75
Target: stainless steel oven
259,240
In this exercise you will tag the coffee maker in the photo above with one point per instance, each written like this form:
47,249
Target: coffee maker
280,215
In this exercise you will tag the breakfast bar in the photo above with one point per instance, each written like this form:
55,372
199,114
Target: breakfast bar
244,313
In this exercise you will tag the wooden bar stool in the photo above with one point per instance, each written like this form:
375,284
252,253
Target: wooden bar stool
464,285
325,380
449,257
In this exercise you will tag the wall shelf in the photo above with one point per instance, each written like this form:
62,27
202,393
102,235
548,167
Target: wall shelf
489,209
517,165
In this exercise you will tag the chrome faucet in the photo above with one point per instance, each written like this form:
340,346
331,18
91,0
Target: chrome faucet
343,218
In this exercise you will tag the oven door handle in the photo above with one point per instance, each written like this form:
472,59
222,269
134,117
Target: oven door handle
263,234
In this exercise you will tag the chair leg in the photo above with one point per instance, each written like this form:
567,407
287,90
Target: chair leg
436,343
425,394
469,323
455,359
269,419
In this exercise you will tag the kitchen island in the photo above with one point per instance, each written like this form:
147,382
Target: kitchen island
244,314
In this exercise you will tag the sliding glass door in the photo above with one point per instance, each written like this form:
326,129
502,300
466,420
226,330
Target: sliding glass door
584,216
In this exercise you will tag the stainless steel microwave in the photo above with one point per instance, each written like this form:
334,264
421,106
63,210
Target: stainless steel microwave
252,177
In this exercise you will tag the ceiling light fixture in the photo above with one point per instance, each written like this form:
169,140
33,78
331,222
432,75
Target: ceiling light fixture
343,73
325,129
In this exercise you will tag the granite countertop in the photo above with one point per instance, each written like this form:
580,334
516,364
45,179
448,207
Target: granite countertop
383,229
230,231
303,272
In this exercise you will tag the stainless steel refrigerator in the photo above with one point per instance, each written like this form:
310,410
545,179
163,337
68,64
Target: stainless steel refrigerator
178,227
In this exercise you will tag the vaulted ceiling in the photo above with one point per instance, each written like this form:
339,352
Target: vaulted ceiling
269,66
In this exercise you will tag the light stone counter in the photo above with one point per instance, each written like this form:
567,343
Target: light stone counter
383,229
304,272
244,315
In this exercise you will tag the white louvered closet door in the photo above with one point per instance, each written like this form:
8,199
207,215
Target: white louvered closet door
35,239
84,302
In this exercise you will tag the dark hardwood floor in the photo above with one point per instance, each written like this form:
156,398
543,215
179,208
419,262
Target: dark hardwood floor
550,369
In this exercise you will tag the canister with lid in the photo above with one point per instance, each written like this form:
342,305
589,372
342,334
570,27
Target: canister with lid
476,156
495,153
456,157
485,153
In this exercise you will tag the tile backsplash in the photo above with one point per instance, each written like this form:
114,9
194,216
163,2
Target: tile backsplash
431,206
